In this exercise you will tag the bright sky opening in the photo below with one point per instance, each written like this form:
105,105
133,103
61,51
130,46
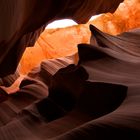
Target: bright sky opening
65,23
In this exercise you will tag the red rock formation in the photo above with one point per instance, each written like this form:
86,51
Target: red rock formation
63,42
54,44
125,18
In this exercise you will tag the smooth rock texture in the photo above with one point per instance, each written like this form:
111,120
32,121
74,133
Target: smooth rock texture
23,21
54,43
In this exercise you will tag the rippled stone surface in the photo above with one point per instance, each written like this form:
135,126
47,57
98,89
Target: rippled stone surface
54,43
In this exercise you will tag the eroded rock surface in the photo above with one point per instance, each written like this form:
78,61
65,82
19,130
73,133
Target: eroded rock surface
62,42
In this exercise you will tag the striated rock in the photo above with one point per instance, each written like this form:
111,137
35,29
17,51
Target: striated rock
126,17
62,42
54,44
22,22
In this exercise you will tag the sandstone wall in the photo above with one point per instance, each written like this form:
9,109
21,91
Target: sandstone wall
62,42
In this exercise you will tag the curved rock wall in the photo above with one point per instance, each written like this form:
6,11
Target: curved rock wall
62,42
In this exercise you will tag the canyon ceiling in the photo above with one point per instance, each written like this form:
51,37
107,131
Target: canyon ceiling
54,43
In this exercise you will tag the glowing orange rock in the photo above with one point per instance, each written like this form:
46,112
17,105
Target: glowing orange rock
62,42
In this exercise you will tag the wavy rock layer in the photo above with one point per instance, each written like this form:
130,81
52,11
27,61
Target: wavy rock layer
62,42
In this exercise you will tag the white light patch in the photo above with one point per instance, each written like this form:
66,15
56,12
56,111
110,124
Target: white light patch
66,23
61,24
94,17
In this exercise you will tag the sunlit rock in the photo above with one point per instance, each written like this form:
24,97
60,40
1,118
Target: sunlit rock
62,42
126,17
